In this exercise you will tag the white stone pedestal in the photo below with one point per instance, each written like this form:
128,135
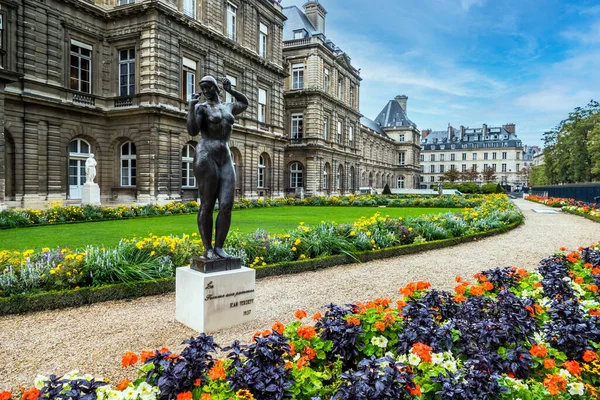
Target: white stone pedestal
214,301
91,194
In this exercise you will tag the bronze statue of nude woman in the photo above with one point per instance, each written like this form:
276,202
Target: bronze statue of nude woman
213,165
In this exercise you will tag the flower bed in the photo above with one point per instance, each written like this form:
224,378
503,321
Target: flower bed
154,257
57,214
505,334
569,205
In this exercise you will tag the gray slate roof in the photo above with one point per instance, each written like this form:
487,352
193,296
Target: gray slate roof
497,137
372,125
296,19
393,115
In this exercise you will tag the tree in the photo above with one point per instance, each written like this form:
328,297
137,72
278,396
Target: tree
386,189
469,175
537,176
451,175
489,174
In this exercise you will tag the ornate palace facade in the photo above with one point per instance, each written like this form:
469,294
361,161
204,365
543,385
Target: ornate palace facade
112,78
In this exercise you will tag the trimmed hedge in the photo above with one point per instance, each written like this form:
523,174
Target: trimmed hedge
22,303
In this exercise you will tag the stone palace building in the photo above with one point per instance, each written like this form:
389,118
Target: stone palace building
112,78
476,149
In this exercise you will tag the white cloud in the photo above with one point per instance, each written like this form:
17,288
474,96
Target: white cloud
467,4
590,36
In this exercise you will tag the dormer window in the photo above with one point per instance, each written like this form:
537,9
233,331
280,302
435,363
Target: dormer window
299,34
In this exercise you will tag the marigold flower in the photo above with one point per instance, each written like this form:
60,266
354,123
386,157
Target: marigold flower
549,363
353,321
563,248
388,318
288,365
422,285
300,314
185,396
379,326
317,316
164,350
278,327
128,359
555,383
292,351
244,394
596,271
123,384
306,331
5,396
537,285
572,366
217,371
401,304
487,286
476,290
589,356
538,350
595,312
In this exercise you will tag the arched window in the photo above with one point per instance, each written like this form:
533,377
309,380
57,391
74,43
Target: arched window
188,180
351,178
79,151
296,175
338,178
401,182
128,164
262,167
324,183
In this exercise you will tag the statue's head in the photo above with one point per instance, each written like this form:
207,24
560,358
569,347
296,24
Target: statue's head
209,85
92,155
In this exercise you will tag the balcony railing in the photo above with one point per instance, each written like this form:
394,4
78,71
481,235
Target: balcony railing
84,99
123,101
296,141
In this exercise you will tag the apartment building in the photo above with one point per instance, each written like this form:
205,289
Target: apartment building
494,149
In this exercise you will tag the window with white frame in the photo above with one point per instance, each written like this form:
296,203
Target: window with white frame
503,167
188,180
326,80
81,67
263,34
297,126
432,157
422,157
401,158
432,178
494,167
401,138
297,76
262,168
231,21
452,157
464,156
351,135
123,2
189,8
262,105
339,132
229,98
463,168
296,175
127,72
474,156
189,78
504,155
340,88
442,169
400,183
325,174
352,95
299,34
128,164
442,156
494,155
422,168
325,127
432,169
485,156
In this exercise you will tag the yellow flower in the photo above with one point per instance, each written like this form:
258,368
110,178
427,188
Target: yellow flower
52,272
297,242
294,248
352,233
152,253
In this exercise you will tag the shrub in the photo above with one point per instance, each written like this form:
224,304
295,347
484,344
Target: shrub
386,190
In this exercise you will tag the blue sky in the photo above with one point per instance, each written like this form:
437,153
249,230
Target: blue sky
469,62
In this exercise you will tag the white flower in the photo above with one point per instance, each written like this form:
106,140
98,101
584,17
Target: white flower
437,358
129,393
71,375
450,366
147,392
40,381
114,395
89,377
379,341
414,359
576,388
402,359
389,354
564,373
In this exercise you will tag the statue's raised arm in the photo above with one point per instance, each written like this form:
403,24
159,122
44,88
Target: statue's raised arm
241,101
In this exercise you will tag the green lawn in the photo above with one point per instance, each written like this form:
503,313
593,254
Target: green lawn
108,233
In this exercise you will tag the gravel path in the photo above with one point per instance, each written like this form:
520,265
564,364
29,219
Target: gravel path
93,338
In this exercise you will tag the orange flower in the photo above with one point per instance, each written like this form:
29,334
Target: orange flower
278,327
523,272
487,286
164,350
292,351
198,382
579,280
537,285
288,365
588,266
592,287
460,289
458,279
423,351
538,351
572,366
401,304
128,359
383,302
549,363
589,356
476,290
416,391
460,298
596,271
563,249
145,355
595,312
388,318
309,353
300,314
5,396
306,331
123,384
206,396
555,384
31,394
422,285
353,321
538,309
379,326
217,371
317,316
531,310
185,396
301,362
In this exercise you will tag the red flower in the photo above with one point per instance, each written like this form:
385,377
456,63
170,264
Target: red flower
278,327
31,394
198,382
217,371
128,359
309,353
487,286
414,391
379,326
476,290
579,280
460,298
300,314
589,356
572,366
538,351
317,316
423,351
5,396
458,279
185,396
592,287
549,363
353,321
145,355
306,331
123,384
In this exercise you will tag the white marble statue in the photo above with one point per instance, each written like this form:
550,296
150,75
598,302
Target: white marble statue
90,169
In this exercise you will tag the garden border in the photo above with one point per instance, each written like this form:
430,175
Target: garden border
24,303
567,211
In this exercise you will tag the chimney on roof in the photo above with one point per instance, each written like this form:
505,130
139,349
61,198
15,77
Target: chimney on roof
315,13
425,133
462,133
510,128
450,132
402,99
484,130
